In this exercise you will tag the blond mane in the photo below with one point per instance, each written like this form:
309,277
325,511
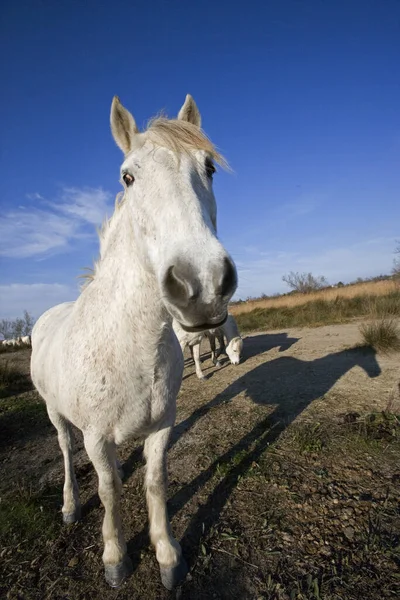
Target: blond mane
181,136
176,135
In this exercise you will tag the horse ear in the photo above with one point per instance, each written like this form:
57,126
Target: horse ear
123,125
189,112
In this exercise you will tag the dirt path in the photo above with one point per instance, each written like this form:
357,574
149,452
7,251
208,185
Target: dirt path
256,518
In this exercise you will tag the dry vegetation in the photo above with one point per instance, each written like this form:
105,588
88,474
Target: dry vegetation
332,306
382,334
368,289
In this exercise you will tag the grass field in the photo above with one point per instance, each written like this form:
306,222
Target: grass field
367,289
332,306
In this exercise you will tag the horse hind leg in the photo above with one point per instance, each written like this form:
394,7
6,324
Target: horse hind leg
117,564
173,567
71,509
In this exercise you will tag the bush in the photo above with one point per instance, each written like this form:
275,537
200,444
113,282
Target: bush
382,334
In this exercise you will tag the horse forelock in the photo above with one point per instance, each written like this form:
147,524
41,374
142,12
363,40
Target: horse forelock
182,137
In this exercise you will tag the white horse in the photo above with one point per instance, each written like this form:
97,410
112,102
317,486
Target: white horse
229,330
159,258
234,342
193,341
13,342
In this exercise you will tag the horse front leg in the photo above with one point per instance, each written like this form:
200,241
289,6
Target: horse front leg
197,362
117,564
221,340
173,567
214,358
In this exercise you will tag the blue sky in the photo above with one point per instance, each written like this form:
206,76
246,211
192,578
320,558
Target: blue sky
302,97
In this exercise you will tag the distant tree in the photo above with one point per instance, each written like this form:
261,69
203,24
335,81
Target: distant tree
6,328
340,284
29,322
17,327
304,283
396,262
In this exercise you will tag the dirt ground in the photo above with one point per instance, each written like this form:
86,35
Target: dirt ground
284,481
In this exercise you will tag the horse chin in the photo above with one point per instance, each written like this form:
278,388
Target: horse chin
203,326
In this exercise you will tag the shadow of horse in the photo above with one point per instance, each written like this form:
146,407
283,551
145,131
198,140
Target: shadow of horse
289,384
263,342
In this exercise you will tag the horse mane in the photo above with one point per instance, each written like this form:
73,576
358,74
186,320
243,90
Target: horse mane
90,274
176,135
181,136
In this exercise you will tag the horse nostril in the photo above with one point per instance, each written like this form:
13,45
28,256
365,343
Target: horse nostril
229,279
176,287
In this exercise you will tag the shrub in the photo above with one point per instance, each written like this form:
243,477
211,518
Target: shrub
382,334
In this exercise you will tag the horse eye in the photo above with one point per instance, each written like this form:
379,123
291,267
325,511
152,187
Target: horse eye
210,169
129,179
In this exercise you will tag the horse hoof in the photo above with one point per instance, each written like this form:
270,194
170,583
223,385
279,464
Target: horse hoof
218,364
73,517
171,577
116,574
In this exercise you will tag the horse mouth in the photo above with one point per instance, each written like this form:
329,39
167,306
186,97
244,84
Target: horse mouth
203,327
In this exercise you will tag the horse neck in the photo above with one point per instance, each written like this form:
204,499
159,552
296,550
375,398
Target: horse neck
231,329
126,285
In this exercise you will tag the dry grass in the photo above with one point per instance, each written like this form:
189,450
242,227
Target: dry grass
320,312
381,334
373,300
370,288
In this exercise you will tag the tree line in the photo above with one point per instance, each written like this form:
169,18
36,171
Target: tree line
14,328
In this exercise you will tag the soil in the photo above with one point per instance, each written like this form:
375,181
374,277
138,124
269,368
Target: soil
283,481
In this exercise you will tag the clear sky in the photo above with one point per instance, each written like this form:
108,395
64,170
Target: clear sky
303,98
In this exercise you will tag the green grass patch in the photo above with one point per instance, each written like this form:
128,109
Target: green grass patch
21,416
26,516
26,406
308,438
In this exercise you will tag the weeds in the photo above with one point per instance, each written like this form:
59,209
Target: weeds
10,375
309,438
382,334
